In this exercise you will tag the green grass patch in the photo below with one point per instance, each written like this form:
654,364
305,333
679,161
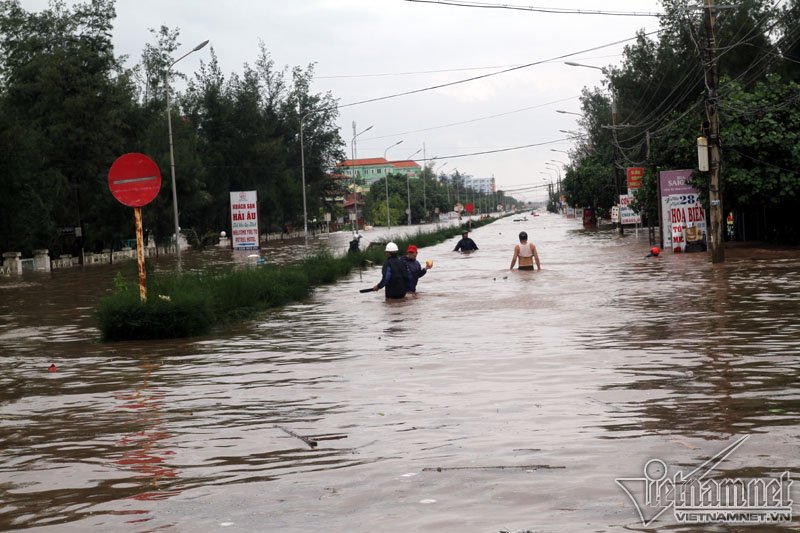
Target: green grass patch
185,305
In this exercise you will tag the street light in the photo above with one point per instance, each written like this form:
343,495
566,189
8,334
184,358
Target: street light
303,166
552,166
558,171
573,134
567,112
613,127
355,183
570,63
172,153
562,151
424,193
388,216
447,185
408,186
303,172
459,177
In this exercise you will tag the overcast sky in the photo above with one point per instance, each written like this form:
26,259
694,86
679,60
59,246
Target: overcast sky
355,42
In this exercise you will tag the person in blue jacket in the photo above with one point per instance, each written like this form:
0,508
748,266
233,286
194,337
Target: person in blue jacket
415,270
394,274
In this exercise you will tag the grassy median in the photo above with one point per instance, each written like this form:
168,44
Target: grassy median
185,305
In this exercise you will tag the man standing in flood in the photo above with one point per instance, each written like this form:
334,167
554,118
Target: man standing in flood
465,244
394,275
526,253
415,270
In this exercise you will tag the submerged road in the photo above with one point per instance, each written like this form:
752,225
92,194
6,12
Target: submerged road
493,401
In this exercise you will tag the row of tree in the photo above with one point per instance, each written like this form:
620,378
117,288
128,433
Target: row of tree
660,93
428,194
69,107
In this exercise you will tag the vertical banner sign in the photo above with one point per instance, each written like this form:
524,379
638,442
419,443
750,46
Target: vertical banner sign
134,180
635,176
626,213
615,214
683,217
244,220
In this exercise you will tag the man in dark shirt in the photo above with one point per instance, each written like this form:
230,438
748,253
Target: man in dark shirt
465,244
415,270
394,275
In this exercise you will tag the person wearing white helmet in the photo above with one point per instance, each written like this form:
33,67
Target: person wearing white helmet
394,274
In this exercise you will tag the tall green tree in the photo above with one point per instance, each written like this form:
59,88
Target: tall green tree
660,92
68,98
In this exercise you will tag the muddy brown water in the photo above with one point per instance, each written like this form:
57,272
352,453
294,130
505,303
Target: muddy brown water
493,401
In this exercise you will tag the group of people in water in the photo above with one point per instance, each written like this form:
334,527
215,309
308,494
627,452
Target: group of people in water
399,275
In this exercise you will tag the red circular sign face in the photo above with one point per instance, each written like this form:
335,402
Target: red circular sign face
134,179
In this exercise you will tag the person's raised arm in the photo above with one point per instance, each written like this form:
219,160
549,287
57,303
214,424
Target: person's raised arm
514,259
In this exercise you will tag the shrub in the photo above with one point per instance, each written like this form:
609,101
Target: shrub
123,317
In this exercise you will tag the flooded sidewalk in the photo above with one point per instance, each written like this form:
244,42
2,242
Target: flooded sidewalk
494,400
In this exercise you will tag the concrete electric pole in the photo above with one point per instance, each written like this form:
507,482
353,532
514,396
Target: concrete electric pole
716,241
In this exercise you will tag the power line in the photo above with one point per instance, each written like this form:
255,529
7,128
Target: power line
498,150
555,10
437,71
474,78
385,74
757,160
472,120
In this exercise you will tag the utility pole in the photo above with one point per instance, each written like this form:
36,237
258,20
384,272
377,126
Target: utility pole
712,83
616,159
424,194
355,183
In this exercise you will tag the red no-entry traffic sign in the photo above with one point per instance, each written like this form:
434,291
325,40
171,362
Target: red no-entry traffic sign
134,179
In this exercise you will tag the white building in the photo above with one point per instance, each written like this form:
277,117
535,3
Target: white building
482,185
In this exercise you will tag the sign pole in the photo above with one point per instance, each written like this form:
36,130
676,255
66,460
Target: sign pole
137,214
134,180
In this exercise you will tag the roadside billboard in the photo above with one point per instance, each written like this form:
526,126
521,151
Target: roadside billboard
683,218
626,213
244,220
635,176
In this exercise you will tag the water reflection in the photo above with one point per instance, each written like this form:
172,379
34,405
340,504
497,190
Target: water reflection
146,450
719,359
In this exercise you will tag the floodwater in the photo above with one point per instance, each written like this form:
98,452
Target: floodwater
493,401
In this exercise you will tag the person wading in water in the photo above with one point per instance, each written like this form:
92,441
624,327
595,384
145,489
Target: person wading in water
526,252
395,275
465,244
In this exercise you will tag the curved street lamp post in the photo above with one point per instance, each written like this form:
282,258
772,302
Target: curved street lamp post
613,128
408,187
172,153
386,179
355,183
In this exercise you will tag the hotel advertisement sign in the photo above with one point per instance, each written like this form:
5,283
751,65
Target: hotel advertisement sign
244,220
